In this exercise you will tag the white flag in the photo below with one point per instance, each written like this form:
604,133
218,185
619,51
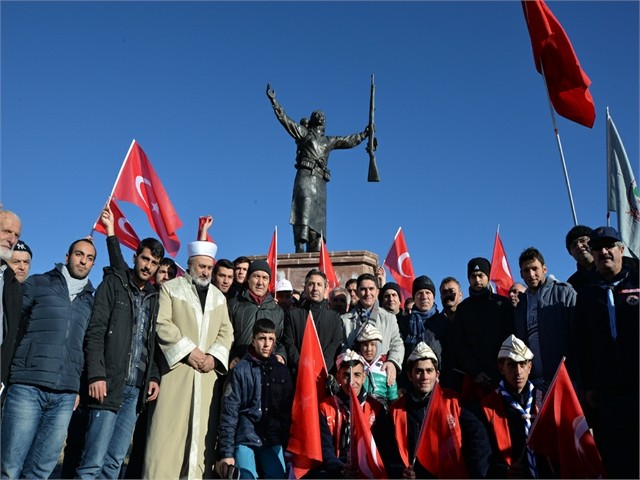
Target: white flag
623,195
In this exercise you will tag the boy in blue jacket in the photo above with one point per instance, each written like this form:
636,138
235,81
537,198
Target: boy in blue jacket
256,410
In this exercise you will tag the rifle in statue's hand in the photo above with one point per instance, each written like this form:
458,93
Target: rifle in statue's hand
372,143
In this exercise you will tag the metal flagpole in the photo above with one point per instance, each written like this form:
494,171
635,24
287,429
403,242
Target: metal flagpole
557,133
608,169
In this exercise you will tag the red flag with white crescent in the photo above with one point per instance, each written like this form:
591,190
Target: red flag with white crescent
139,184
398,262
561,432
500,273
123,230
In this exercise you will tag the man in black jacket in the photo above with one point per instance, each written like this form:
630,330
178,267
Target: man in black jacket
606,327
119,349
328,323
483,320
253,303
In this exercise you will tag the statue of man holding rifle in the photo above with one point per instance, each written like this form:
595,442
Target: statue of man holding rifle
309,202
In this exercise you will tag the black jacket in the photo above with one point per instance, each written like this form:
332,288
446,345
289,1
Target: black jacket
107,345
12,308
606,364
483,321
328,325
256,407
243,312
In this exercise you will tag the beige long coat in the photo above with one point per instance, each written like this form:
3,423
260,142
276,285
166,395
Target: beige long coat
183,429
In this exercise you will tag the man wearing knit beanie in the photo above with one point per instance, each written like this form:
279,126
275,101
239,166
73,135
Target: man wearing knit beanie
253,303
577,243
483,320
390,297
426,324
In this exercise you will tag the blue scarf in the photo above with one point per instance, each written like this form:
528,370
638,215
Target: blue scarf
417,330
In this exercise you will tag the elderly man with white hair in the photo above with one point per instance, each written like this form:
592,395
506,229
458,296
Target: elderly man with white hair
195,335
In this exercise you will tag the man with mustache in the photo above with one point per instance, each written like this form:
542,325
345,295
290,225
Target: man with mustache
606,332
119,349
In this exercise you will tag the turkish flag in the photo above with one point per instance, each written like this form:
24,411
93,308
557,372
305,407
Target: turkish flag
326,267
363,446
138,183
399,264
500,273
123,229
201,222
561,433
272,260
304,440
439,447
553,54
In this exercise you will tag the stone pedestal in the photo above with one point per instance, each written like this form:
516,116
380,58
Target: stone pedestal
347,264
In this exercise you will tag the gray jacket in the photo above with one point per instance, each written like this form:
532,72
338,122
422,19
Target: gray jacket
386,322
556,310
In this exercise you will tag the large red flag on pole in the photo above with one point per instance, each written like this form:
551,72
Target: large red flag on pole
439,446
363,445
326,267
123,230
560,431
272,260
304,440
500,273
138,183
554,57
399,264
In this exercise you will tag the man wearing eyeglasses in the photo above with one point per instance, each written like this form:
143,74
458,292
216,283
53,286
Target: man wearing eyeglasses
606,327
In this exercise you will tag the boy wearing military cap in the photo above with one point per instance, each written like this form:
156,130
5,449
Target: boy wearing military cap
509,412
408,415
335,419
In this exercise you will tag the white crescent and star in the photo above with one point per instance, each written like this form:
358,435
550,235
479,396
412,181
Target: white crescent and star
139,181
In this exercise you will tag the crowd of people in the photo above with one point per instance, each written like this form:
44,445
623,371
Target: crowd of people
194,375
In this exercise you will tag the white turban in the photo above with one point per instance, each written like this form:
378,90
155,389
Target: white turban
208,249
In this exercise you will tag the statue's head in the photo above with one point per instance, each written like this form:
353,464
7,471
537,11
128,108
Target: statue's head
317,119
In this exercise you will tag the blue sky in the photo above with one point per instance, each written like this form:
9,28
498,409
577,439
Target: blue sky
465,135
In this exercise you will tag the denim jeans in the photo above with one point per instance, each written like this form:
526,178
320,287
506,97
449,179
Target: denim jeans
269,460
34,426
108,438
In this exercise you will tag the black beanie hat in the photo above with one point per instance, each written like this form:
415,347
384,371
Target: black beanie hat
390,286
422,282
577,232
478,264
259,266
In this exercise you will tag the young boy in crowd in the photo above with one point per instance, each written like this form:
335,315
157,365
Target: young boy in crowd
376,382
256,410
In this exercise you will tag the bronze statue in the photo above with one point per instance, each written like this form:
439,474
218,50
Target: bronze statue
309,201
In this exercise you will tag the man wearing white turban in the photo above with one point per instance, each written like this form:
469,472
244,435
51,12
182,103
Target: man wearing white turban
195,336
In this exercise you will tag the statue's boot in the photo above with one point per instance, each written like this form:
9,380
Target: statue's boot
299,247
